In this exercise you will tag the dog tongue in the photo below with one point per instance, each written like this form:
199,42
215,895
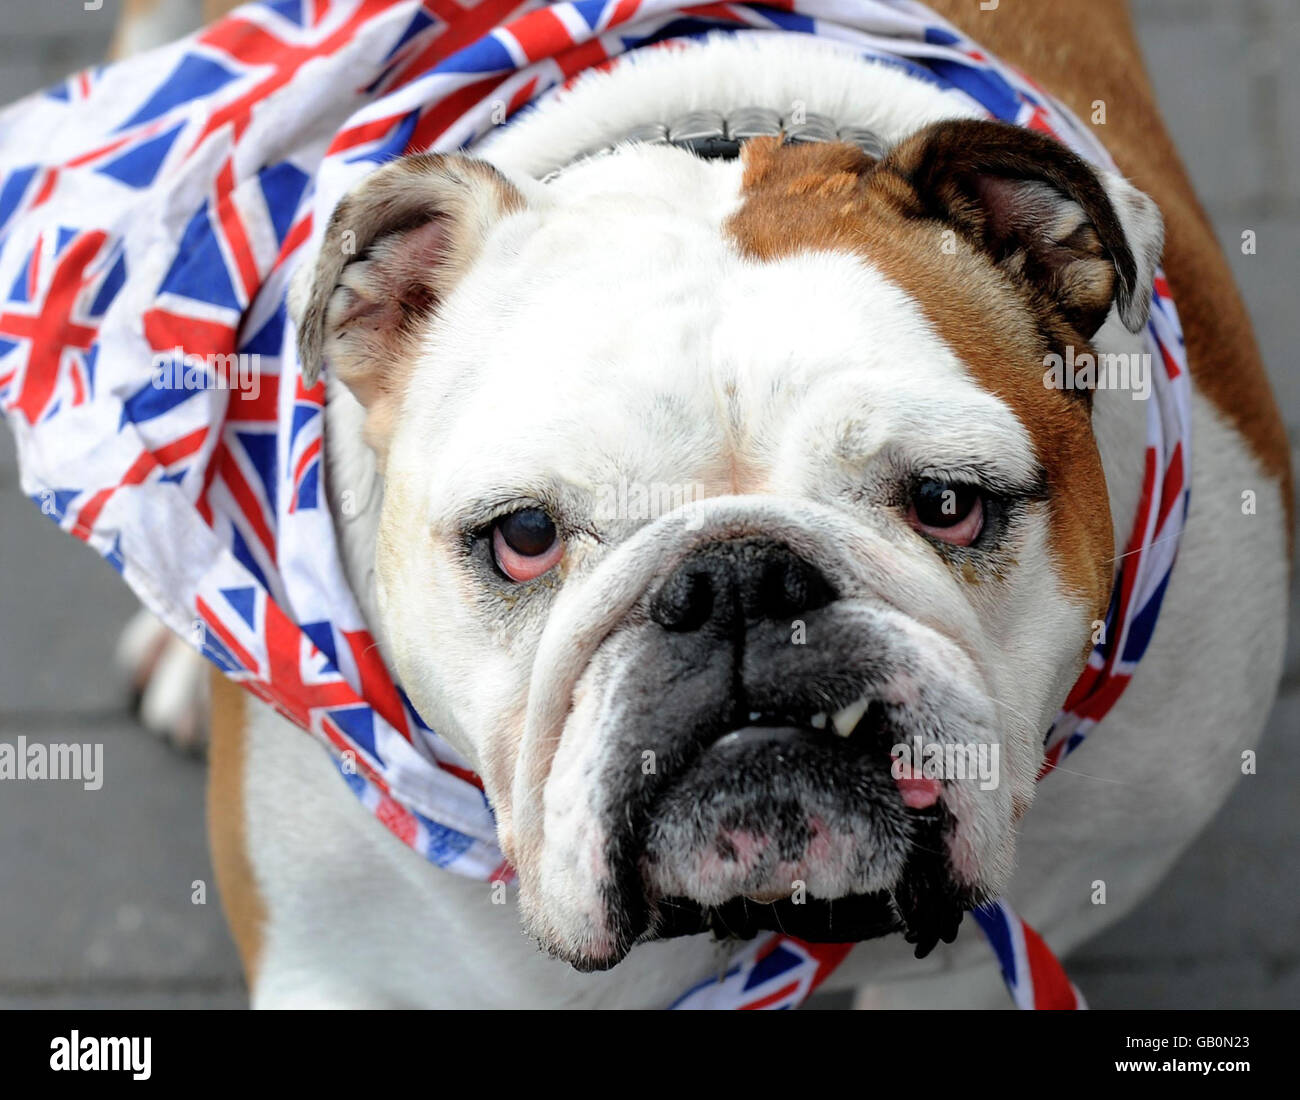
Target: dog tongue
919,793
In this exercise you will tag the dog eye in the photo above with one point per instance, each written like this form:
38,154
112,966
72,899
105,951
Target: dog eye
525,544
947,511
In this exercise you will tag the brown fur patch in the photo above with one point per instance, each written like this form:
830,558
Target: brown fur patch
215,9
1088,52
240,898
977,308
1034,207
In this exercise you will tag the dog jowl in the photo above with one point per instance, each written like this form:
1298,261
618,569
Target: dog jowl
686,718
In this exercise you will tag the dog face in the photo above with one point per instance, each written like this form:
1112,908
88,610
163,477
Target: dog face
726,512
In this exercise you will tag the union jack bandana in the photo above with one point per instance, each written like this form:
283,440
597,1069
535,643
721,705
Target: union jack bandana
154,209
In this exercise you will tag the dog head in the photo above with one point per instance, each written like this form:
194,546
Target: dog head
713,490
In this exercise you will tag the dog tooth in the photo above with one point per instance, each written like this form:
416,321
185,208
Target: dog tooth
818,721
847,719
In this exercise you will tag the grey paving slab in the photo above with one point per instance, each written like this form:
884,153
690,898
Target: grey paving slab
1241,983
187,995
20,75
40,20
8,460
98,887
1205,62
61,608
1267,281
42,41
1287,110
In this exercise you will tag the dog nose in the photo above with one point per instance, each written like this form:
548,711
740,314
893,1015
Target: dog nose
726,584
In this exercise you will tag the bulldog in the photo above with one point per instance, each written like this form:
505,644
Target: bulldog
685,487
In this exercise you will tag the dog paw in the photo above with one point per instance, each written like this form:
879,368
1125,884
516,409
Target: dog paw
168,682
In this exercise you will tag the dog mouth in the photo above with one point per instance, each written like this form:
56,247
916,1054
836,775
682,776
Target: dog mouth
924,906
864,721
788,819
742,780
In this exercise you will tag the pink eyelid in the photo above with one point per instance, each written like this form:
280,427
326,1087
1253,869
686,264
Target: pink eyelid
524,567
959,534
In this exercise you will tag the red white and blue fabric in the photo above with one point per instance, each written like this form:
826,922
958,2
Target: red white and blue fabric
162,202
771,971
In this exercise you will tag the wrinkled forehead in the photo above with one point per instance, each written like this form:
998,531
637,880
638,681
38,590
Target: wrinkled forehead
618,304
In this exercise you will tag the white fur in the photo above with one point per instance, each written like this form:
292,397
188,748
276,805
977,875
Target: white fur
778,71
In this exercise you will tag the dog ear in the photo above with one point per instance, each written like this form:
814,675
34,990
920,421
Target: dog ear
1077,239
393,249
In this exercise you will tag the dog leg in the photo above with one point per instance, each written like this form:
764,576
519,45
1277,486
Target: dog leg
168,680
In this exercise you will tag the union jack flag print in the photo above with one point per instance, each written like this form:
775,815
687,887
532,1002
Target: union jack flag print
1034,976
773,972
151,213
